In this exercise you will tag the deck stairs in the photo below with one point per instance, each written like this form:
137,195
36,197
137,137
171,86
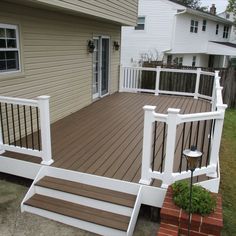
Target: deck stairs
91,203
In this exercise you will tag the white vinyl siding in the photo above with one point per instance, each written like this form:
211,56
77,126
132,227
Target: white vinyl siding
9,49
55,60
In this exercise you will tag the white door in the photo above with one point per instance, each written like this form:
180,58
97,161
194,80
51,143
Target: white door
101,65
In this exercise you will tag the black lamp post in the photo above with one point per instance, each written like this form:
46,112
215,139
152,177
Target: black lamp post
193,157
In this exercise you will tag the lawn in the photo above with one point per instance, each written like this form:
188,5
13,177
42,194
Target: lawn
228,173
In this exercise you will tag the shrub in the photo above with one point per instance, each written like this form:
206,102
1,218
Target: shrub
203,202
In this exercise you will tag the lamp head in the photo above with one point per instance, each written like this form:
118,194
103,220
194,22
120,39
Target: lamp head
193,157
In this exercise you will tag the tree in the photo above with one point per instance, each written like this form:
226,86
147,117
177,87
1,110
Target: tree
191,3
195,4
232,8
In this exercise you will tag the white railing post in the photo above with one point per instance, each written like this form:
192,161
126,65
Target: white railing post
158,74
147,144
1,141
44,112
216,140
199,70
121,78
172,122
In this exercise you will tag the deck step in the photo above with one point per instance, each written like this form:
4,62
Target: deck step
88,191
80,212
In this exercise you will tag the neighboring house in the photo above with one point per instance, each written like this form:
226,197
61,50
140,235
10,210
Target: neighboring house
44,47
230,16
176,34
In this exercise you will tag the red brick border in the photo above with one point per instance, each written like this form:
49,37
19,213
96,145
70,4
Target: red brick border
174,221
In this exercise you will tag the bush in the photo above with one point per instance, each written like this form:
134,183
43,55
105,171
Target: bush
203,202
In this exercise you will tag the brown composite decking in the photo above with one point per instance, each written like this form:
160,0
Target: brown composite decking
105,138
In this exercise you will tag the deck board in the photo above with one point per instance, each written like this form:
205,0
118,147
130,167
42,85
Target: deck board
105,138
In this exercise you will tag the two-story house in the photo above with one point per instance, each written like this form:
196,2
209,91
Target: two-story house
177,34
64,49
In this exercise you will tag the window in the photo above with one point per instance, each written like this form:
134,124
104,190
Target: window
140,23
9,48
178,61
217,29
194,61
226,32
169,59
204,24
194,26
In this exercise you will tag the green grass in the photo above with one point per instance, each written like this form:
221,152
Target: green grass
228,173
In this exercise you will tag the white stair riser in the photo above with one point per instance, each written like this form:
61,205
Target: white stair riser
94,180
94,228
101,205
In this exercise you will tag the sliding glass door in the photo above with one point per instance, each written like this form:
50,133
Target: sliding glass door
101,64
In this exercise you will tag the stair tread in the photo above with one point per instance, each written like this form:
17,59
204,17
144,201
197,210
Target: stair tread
89,191
80,212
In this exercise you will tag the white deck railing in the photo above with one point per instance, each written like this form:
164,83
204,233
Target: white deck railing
132,78
17,114
131,82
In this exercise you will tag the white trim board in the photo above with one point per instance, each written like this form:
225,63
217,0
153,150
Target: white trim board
19,168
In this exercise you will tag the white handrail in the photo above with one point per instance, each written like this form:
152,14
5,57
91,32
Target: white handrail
131,80
173,119
42,103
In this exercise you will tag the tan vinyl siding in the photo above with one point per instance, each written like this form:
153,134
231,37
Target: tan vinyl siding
123,11
54,57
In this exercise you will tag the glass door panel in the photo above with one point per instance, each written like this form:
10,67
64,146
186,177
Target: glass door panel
105,66
96,70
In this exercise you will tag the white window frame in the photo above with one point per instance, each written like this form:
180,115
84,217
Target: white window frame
194,61
217,29
15,27
226,32
204,25
144,24
194,26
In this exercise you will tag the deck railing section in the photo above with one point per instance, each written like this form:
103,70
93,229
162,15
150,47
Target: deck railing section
25,127
204,129
188,82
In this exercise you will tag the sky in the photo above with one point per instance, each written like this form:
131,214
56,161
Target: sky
220,4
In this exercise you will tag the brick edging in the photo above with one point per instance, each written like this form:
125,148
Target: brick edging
172,217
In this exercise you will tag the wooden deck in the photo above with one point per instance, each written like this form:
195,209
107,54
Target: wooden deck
105,138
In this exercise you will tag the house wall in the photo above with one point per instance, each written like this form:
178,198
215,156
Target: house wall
54,57
122,11
186,42
230,16
157,36
201,59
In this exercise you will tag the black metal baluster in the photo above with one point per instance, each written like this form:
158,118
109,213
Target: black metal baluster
190,134
38,132
198,126
8,130
25,121
182,149
13,124
209,144
19,123
32,128
154,145
163,147
1,114
203,140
